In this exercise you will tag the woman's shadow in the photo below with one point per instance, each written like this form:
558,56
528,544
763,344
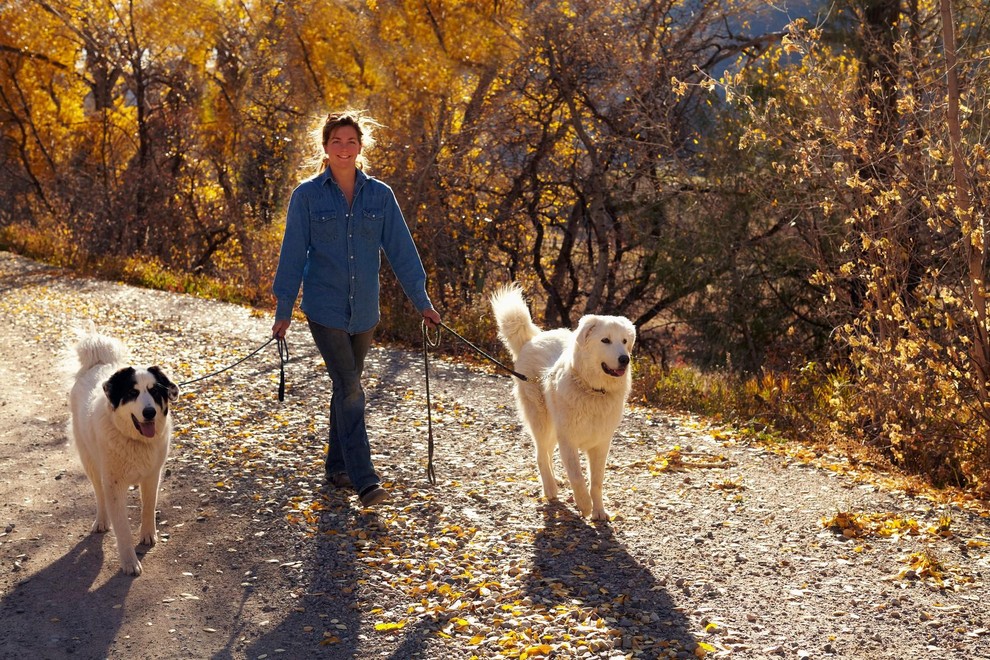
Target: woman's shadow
57,610
329,605
612,598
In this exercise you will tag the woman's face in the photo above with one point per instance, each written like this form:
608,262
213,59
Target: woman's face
343,147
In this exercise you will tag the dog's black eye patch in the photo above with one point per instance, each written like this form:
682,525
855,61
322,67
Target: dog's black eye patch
163,387
119,388
161,394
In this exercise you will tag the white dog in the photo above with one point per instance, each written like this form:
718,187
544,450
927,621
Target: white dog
122,429
575,392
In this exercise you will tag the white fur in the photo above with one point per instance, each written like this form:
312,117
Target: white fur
115,454
568,399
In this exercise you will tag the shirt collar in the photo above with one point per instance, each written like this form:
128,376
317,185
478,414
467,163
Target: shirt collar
326,176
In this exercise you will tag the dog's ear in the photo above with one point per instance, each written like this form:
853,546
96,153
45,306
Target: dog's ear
162,379
119,385
585,327
631,326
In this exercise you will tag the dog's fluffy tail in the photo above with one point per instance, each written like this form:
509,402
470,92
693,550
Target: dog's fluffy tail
94,349
515,325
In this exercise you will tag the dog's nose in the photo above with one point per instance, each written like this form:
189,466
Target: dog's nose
623,360
149,412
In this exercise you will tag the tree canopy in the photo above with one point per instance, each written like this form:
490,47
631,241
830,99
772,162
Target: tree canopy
756,190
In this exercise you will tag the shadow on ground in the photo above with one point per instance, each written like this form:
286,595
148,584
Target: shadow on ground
36,613
582,567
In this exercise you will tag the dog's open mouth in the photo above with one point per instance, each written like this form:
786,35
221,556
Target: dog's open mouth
621,371
147,429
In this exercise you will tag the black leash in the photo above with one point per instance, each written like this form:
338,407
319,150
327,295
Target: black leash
283,356
431,474
433,343
478,351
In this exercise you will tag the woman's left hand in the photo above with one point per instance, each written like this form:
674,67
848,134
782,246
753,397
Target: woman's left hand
432,317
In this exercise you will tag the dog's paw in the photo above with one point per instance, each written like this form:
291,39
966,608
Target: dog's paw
600,514
99,527
149,538
583,504
131,566
550,491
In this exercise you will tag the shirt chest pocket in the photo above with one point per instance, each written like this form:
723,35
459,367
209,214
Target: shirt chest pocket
372,224
324,226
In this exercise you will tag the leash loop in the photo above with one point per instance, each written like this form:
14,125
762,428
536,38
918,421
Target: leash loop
283,357
431,474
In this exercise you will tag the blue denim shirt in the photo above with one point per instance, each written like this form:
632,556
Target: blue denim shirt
335,253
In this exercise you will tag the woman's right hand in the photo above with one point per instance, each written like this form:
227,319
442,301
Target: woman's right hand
280,328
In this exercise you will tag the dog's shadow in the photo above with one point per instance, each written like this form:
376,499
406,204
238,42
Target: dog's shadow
583,567
59,608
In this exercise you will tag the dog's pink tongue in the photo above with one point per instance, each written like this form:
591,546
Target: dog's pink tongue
147,429
621,371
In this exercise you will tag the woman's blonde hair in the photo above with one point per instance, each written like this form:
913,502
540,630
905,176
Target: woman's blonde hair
361,122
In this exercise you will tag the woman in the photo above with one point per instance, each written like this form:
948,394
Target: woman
337,225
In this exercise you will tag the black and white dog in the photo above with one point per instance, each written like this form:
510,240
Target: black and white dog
121,427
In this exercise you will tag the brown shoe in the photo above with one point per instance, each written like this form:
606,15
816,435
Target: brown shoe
338,479
373,495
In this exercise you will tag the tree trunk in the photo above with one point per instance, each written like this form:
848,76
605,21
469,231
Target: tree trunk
974,243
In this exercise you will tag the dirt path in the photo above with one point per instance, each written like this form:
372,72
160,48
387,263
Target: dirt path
726,556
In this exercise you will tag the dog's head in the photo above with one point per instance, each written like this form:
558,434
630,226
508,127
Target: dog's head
609,340
140,399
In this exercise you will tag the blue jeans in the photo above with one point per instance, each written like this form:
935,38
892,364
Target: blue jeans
348,449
